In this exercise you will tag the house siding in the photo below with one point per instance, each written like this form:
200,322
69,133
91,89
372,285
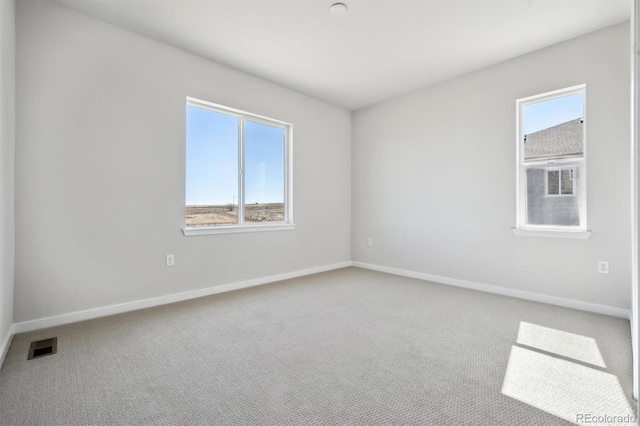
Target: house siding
545,209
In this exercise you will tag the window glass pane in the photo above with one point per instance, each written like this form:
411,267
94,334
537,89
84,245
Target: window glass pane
566,182
544,209
554,128
553,182
212,168
264,172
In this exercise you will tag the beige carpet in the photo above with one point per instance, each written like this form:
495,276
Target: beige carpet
347,347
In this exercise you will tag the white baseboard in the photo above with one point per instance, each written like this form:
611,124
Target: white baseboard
57,320
54,321
6,343
536,297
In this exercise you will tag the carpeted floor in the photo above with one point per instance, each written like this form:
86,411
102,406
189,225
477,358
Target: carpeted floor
346,347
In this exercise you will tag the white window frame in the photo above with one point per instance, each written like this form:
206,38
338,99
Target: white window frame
553,231
242,226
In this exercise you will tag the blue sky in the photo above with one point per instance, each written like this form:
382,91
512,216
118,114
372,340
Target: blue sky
543,115
212,159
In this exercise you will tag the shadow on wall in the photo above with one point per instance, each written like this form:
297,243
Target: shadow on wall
540,374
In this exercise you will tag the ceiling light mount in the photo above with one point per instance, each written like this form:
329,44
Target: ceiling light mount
338,9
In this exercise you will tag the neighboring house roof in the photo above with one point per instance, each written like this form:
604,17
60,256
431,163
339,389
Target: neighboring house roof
563,140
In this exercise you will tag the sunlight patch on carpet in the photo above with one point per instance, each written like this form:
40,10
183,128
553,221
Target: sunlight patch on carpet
558,342
565,389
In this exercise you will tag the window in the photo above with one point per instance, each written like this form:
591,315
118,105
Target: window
551,161
560,182
237,171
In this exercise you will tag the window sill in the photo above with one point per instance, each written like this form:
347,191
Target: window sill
578,235
208,230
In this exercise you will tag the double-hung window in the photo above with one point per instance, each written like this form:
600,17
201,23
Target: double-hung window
238,171
552,164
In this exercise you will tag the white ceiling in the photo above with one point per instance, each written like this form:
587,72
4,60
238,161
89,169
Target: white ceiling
379,49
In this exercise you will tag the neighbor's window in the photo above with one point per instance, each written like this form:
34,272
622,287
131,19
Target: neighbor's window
237,171
560,182
551,161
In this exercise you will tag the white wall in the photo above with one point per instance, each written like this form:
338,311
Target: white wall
100,172
7,147
100,169
433,176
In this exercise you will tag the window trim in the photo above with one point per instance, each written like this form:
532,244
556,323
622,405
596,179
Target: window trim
577,235
242,226
521,228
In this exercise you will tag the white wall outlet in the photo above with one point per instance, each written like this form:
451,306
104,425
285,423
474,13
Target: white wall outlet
370,242
603,267
171,260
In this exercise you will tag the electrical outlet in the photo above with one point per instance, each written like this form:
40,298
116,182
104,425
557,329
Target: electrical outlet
170,261
603,267
370,242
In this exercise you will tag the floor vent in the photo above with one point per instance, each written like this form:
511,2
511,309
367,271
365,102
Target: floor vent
43,348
